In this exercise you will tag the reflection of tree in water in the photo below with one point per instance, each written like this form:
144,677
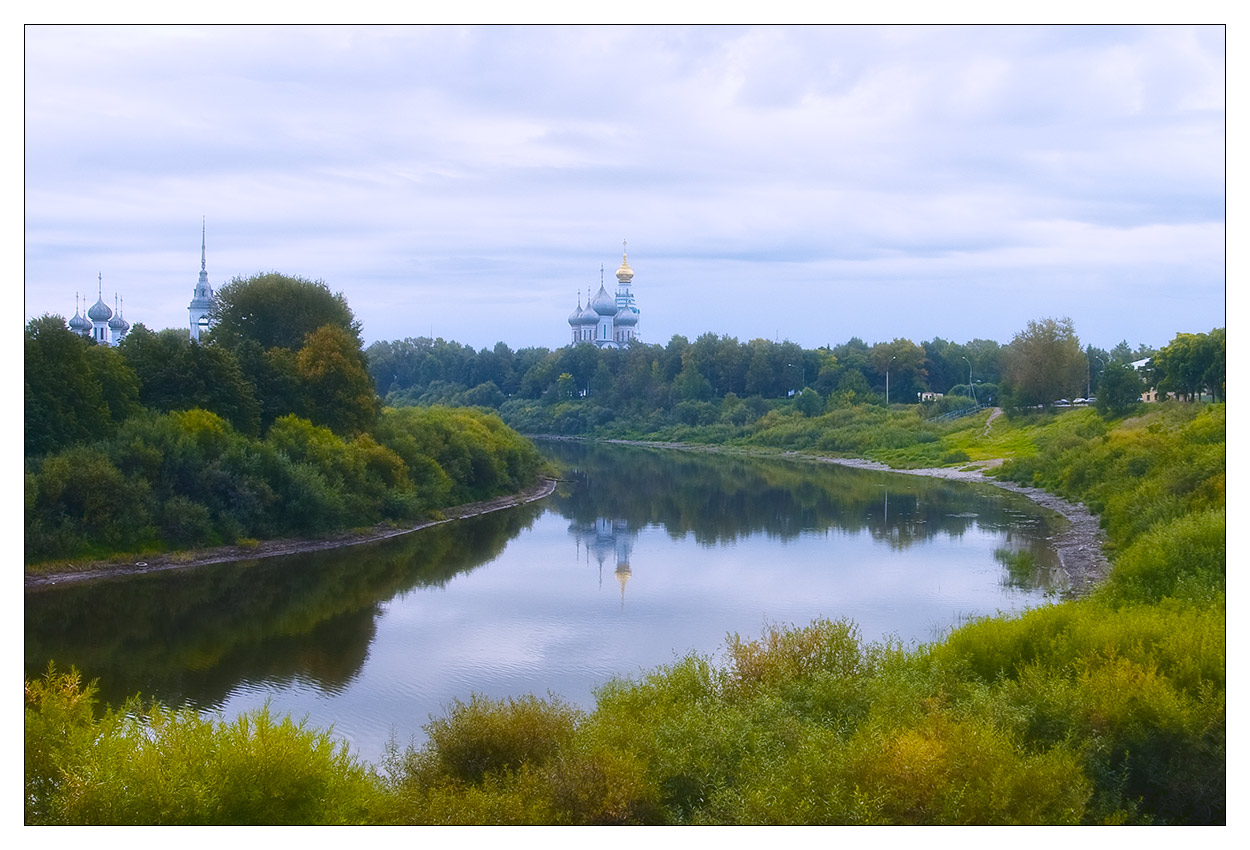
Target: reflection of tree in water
719,498
193,636
606,540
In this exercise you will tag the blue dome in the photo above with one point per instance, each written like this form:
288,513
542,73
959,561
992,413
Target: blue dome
99,312
79,324
604,304
626,317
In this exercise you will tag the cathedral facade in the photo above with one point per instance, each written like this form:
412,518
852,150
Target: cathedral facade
607,321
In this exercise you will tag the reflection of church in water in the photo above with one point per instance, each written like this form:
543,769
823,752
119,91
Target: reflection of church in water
606,541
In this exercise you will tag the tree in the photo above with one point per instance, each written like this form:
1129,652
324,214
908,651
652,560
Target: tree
337,389
74,390
1045,362
1191,363
904,360
277,311
809,403
1119,388
177,373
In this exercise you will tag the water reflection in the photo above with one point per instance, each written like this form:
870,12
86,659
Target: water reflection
606,540
640,555
190,637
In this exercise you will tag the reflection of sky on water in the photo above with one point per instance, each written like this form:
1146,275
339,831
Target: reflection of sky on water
547,615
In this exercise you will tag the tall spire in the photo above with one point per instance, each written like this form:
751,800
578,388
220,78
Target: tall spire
100,284
203,254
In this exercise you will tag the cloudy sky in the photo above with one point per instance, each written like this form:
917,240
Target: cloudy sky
810,184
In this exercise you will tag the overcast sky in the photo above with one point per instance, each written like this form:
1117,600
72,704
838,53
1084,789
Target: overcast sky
810,184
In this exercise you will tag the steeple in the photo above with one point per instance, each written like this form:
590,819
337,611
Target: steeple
202,298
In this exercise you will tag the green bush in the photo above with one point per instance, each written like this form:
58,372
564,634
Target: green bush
144,766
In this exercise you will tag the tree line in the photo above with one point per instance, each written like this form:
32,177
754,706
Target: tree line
270,427
646,387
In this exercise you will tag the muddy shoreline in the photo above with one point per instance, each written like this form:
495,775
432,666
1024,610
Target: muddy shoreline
97,570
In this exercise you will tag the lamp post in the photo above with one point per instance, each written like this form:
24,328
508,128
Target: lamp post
887,382
972,389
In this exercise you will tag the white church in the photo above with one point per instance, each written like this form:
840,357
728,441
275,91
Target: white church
607,321
107,326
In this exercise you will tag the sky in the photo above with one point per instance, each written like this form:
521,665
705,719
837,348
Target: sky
809,184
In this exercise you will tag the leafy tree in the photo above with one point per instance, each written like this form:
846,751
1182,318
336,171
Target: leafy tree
177,373
809,403
904,360
337,389
1191,363
74,390
1119,389
1045,362
277,311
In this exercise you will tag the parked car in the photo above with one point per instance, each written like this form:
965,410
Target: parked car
1063,402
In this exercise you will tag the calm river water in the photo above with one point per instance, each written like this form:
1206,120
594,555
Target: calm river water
641,556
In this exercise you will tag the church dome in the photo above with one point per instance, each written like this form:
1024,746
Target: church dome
575,318
624,274
604,304
117,324
78,323
626,317
99,312
589,316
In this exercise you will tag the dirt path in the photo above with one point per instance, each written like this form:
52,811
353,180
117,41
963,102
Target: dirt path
270,548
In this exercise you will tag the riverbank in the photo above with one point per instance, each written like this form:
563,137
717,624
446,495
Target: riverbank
1079,546
106,569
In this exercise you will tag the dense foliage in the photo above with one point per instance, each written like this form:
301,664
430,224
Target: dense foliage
271,427
1110,709
725,386
188,478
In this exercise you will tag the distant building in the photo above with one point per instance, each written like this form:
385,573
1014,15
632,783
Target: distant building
607,321
103,324
202,298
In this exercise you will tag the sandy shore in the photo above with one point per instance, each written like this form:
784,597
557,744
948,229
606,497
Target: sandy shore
270,548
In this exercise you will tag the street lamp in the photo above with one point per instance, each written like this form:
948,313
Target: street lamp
972,389
887,382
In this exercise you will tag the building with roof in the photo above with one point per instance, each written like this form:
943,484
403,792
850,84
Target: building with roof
102,323
607,321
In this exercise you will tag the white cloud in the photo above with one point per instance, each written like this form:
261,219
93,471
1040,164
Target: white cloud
421,163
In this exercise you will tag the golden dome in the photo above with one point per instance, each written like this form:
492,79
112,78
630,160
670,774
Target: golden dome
624,274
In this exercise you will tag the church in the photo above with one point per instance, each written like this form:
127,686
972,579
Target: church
107,327
103,324
607,321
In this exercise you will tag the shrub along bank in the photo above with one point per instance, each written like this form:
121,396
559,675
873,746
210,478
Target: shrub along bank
183,479
1110,709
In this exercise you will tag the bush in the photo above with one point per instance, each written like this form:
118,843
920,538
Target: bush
153,765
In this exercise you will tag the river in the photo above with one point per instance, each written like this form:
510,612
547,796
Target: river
640,556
